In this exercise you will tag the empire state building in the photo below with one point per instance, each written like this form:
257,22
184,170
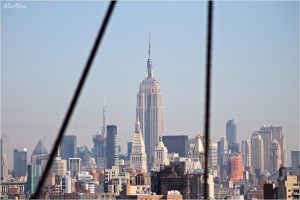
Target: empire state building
150,111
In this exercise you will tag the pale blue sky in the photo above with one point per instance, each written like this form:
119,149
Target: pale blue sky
45,46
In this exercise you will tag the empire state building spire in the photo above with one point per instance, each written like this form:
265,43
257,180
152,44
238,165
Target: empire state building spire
149,64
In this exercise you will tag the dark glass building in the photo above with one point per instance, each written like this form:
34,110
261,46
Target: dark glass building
34,174
100,150
68,147
295,158
231,136
20,162
112,148
129,149
177,144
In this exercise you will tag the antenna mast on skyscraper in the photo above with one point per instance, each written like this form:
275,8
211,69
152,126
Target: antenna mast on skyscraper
149,51
103,118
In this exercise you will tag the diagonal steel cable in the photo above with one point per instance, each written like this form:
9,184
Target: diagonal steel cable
208,92
75,98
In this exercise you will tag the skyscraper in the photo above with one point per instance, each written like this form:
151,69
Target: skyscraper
231,136
129,149
213,155
268,134
222,150
20,162
257,153
236,164
74,166
246,153
4,167
1,154
295,158
59,165
100,143
177,144
112,148
275,157
39,153
138,157
150,110
34,175
68,148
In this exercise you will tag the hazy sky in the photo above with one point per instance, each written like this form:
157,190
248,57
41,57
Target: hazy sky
45,46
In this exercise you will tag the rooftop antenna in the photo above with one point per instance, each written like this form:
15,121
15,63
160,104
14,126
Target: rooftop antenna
103,118
149,51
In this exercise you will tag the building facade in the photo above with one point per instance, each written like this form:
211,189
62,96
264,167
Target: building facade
295,159
74,166
150,110
20,162
231,135
112,150
237,168
268,134
222,150
275,157
257,153
138,157
177,144
246,153
68,147
99,141
34,175
39,153
213,155
160,156
129,148
4,167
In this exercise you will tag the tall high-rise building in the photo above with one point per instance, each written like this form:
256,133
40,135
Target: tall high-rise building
34,175
129,149
150,110
257,153
20,162
295,159
1,154
100,143
213,155
100,150
246,153
4,167
222,150
59,165
138,157
237,168
112,153
275,157
231,136
74,166
39,153
68,147
177,144
268,134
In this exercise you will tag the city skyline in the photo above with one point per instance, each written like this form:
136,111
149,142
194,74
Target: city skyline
32,113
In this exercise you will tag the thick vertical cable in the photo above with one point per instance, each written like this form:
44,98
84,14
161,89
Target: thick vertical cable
75,98
208,93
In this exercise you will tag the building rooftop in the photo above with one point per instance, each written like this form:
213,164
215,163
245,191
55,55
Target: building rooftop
40,148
